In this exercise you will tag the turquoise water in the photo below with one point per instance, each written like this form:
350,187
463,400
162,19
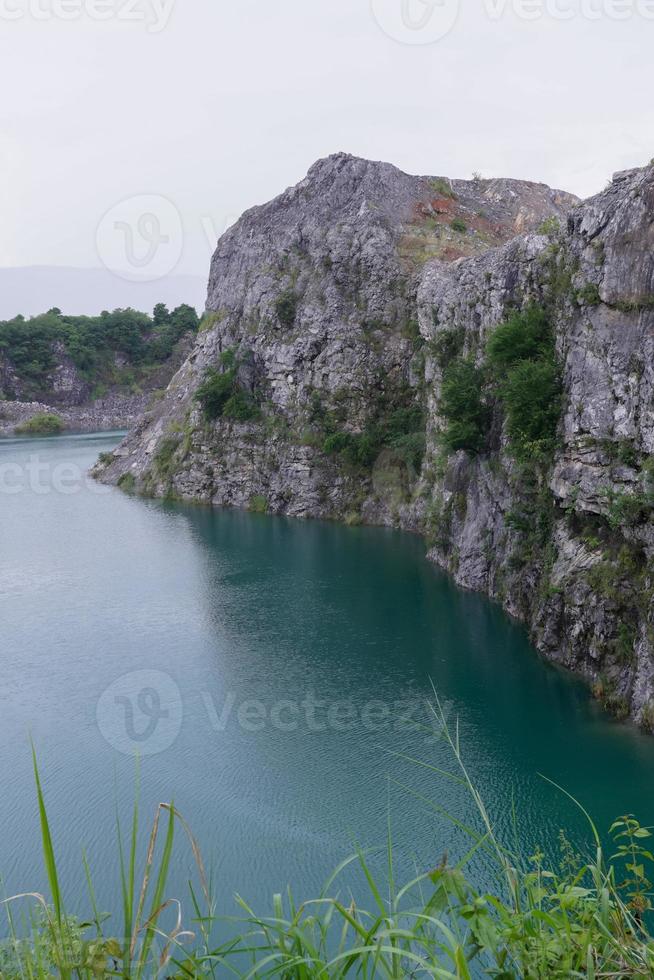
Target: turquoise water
278,657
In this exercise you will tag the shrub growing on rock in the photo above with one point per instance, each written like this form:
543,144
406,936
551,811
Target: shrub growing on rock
522,360
462,406
524,336
222,396
43,423
398,425
531,395
214,392
286,307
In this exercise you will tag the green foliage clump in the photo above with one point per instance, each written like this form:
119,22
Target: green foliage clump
411,331
589,294
209,320
462,406
397,424
222,396
524,336
531,395
337,442
241,407
635,304
439,519
620,451
459,226
169,330
550,226
410,448
164,460
628,509
286,307
356,449
214,392
625,643
521,372
29,345
258,504
42,424
522,360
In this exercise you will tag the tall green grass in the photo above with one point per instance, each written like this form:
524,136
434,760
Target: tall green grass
578,917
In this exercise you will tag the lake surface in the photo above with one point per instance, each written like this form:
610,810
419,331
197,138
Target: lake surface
261,668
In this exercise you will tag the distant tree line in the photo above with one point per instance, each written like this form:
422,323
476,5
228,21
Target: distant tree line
95,344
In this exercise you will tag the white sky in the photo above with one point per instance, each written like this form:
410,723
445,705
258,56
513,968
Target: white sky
233,100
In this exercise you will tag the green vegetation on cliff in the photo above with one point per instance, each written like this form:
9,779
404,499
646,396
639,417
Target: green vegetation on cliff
520,374
396,423
286,307
523,364
462,404
222,395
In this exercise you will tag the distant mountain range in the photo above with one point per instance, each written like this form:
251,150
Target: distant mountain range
34,289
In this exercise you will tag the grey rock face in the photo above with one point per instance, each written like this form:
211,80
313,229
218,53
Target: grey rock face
331,300
587,596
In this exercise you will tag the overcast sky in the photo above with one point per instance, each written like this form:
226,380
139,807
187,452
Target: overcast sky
212,106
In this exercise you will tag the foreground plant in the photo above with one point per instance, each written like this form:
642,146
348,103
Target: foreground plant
56,944
582,918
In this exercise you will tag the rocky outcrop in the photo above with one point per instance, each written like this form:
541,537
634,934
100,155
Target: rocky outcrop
566,546
332,312
316,295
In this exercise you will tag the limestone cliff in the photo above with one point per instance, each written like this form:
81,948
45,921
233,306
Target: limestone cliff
315,293
315,389
567,548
